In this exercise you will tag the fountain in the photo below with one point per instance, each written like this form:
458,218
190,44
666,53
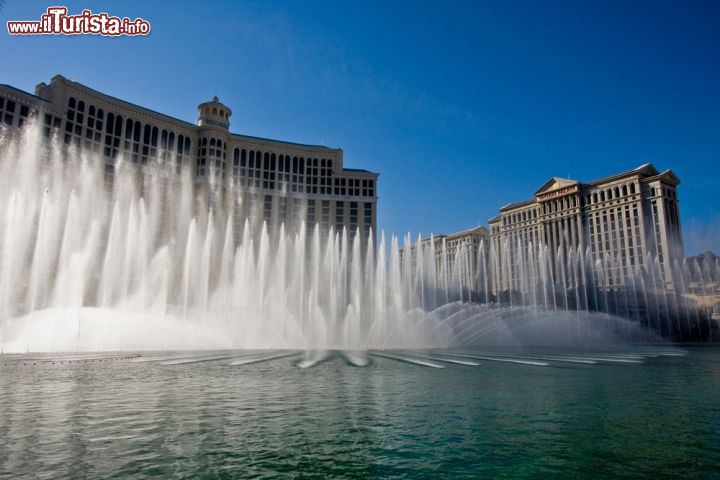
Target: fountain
154,262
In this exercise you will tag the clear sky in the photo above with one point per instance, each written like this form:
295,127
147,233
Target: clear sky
462,107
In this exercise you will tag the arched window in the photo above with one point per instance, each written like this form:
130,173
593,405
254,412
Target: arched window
100,114
602,196
652,191
624,190
617,192
243,156
118,125
128,128
595,198
146,134
110,124
91,110
71,102
214,111
212,142
136,131
187,145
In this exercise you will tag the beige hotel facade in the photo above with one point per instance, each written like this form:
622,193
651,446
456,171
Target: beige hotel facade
456,259
624,221
621,223
273,181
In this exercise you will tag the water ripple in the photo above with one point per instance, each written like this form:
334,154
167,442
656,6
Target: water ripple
125,419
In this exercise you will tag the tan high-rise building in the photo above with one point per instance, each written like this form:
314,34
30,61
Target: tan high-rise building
624,222
271,180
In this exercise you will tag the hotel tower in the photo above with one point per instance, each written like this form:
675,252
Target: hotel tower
271,181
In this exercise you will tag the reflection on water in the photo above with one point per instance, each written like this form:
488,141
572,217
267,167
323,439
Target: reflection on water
100,417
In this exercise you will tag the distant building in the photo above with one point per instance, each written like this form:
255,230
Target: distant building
270,180
702,282
624,222
456,259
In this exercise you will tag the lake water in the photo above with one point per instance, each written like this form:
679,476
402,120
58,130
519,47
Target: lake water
632,412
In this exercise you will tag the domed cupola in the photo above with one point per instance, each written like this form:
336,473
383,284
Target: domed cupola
213,137
214,113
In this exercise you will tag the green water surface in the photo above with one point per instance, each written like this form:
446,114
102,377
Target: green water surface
117,418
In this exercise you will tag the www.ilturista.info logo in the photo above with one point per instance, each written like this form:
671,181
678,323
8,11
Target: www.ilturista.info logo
57,22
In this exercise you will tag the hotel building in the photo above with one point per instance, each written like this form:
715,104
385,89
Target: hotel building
457,258
273,181
624,221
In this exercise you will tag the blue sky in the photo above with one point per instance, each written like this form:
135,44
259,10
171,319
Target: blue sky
462,107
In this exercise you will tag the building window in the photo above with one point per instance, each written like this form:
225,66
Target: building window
339,215
24,112
267,208
325,212
282,209
368,213
236,162
353,215
310,214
